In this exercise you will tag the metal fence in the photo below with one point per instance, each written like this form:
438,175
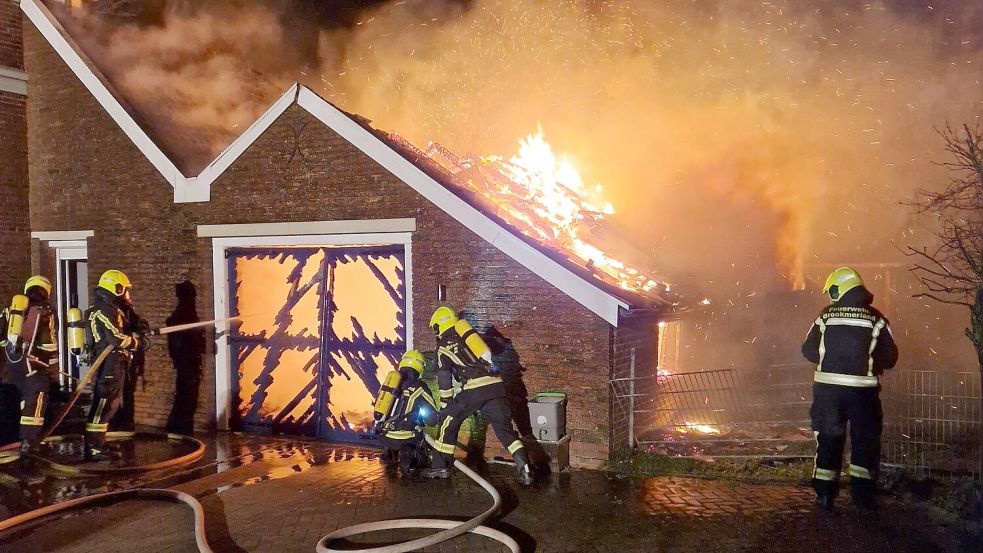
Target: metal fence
932,419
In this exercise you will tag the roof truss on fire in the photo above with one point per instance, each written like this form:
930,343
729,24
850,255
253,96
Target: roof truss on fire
198,188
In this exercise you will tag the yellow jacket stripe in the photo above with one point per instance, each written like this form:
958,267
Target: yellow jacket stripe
32,421
446,352
95,427
856,471
124,340
481,381
400,434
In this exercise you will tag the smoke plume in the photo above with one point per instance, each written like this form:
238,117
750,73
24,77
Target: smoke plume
748,145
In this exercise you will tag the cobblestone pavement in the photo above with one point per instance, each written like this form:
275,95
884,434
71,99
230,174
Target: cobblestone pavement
287,499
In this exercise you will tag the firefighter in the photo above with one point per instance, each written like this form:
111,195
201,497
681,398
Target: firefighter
414,406
105,321
31,349
463,356
123,420
851,344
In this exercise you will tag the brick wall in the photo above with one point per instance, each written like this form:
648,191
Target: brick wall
87,175
14,215
11,51
637,334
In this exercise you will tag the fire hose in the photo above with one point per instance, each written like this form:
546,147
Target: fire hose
449,528
154,494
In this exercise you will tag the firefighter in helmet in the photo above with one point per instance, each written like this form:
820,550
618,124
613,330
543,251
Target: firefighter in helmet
851,344
413,406
463,356
105,321
31,348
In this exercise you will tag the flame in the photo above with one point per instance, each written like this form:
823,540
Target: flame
697,427
543,195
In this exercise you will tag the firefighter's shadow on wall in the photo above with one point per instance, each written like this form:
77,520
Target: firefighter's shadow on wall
506,360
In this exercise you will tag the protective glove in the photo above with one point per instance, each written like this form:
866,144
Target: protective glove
142,341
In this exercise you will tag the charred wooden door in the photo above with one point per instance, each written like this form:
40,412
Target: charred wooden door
320,328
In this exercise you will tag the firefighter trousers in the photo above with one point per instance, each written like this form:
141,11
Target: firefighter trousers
834,408
490,401
408,453
106,399
33,388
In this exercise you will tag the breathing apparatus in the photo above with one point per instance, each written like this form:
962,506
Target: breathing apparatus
386,405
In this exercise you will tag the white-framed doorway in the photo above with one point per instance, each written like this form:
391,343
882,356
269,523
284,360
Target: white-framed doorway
395,232
72,291
71,284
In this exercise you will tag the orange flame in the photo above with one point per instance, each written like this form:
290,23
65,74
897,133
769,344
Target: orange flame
697,427
543,195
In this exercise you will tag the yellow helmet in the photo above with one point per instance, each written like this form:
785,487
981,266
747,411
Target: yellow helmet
39,281
841,281
412,359
115,282
442,320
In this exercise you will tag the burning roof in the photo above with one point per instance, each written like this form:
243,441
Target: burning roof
542,196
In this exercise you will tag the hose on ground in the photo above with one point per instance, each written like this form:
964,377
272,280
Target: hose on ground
450,528
112,497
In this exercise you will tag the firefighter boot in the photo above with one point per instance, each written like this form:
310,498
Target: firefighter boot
523,467
863,492
826,491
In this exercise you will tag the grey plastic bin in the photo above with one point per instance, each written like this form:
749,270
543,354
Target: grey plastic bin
548,416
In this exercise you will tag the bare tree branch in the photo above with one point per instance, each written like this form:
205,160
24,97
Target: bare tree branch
941,300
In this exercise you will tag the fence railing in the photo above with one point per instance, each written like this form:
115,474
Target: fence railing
932,419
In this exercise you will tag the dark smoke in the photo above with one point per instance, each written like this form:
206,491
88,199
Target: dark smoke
750,145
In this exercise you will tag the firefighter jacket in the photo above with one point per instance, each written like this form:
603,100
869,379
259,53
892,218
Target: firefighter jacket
457,360
106,321
411,399
38,334
851,342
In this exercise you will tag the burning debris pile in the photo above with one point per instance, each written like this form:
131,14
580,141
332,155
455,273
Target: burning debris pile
543,196
710,442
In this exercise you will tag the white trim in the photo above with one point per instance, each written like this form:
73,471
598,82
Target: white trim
198,189
65,250
13,80
603,304
309,227
843,321
186,189
59,40
68,245
51,235
220,290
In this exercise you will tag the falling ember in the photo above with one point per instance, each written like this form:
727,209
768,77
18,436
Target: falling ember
544,197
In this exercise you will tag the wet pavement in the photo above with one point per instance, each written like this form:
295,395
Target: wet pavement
267,494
